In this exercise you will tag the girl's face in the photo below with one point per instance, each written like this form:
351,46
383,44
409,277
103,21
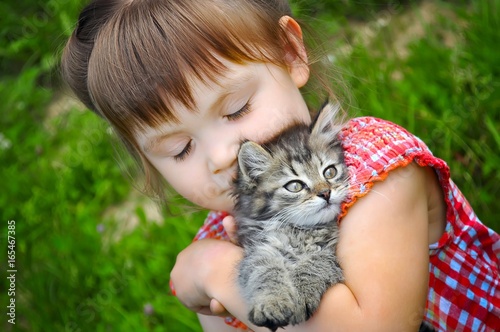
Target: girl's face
197,156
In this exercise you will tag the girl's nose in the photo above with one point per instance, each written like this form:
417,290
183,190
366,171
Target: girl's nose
222,157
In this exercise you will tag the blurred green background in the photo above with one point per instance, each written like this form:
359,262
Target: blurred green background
93,255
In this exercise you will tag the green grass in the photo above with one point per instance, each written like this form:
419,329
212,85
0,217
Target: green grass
448,95
59,173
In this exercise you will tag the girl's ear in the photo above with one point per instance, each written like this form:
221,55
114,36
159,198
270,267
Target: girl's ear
295,51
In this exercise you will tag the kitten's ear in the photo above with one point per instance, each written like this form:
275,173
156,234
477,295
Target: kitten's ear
253,160
328,121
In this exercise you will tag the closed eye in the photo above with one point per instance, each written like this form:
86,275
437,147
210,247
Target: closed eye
239,113
184,153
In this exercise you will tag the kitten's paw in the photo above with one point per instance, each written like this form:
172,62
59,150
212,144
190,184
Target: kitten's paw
269,318
278,311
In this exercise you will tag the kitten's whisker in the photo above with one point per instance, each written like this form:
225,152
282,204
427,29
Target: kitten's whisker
380,194
292,215
284,216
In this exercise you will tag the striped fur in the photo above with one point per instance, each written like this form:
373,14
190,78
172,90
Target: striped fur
288,195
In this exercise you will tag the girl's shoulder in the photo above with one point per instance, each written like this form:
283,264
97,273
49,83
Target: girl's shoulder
374,147
378,137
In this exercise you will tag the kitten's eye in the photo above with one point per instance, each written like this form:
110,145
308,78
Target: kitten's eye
330,172
294,186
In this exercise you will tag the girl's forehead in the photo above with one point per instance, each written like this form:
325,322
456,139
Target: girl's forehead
208,94
225,73
212,89
197,45
234,77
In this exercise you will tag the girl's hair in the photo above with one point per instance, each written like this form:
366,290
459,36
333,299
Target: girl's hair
130,61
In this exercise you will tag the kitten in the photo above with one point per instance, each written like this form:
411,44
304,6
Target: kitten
288,194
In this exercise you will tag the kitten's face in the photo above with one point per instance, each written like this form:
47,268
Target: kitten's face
300,177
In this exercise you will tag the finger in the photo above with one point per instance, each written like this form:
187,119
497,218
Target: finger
217,308
230,227
203,310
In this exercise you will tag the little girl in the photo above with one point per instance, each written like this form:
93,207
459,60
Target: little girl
184,82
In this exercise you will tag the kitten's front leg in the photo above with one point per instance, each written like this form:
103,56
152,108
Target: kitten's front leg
313,276
268,289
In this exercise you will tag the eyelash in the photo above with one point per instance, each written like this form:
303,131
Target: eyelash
240,113
184,153
231,117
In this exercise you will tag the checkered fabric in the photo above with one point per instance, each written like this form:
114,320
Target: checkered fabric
464,283
212,227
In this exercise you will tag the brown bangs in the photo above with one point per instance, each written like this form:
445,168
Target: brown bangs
146,56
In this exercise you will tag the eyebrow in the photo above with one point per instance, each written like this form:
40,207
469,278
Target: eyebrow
234,84
153,142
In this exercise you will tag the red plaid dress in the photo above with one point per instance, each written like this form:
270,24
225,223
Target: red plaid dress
464,283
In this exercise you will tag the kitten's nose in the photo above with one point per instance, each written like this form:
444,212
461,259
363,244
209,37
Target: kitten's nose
325,194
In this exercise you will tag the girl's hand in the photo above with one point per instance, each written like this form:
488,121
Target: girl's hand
216,308
230,227
201,270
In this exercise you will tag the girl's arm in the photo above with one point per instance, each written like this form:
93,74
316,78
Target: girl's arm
216,324
383,250
384,253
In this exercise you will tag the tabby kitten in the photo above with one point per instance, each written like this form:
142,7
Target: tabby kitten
288,194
